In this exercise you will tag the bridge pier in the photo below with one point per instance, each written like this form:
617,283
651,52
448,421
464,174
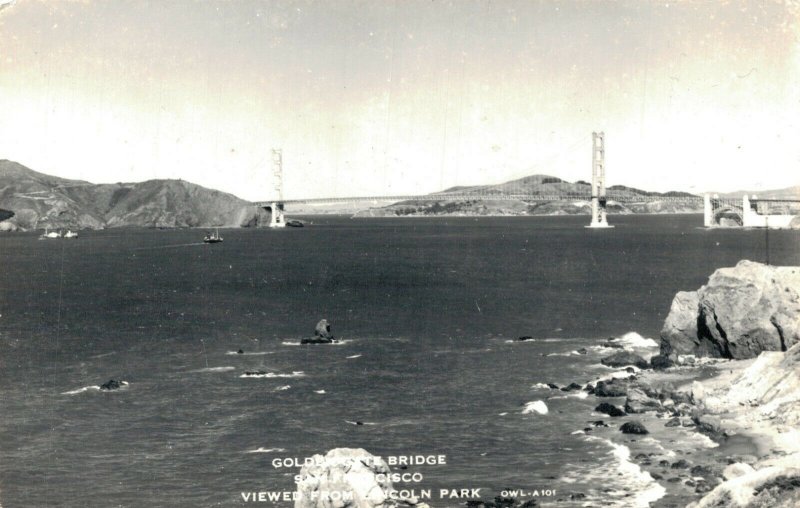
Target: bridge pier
708,211
599,215
277,219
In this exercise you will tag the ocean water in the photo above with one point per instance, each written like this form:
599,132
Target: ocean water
428,310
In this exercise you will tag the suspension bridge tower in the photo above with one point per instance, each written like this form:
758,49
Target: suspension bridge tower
277,220
599,218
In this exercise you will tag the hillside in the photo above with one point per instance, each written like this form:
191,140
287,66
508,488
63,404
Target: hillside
532,185
38,201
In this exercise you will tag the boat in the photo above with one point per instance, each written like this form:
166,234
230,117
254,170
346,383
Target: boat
294,224
213,237
49,234
70,234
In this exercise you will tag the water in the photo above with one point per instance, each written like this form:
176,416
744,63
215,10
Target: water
428,308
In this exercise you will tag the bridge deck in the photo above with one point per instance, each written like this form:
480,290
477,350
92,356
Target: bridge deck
610,196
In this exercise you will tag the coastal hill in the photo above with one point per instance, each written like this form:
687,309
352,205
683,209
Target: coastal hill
38,200
537,185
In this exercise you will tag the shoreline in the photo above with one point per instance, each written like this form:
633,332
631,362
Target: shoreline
703,446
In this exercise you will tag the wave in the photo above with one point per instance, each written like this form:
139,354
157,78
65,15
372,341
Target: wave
213,369
580,394
92,388
261,449
270,375
339,342
353,356
360,422
634,478
319,391
253,353
81,390
541,386
634,340
536,406
568,353
282,388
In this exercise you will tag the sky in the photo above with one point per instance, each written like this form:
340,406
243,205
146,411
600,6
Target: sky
389,97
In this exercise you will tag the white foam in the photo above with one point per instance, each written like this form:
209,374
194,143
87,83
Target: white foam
580,394
319,391
261,449
253,353
541,386
282,388
353,356
213,369
81,390
536,406
634,340
568,353
646,489
270,375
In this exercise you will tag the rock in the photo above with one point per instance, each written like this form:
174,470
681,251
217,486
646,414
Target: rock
524,338
673,422
351,472
583,351
700,470
240,352
112,384
609,409
633,427
571,387
322,334
656,476
736,470
599,423
741,312
612,388
660,362
552,386
623,358
639,402
680,464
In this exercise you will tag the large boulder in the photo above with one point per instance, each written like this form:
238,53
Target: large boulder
346,477
741,312
639,402
623,358
322,334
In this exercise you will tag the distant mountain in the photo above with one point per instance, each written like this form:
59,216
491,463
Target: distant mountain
534,185
786,193
38,200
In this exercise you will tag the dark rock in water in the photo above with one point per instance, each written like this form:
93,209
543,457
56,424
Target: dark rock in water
576,496
612,388
583,351
552,386
623,358
656,476
571,387
663,463
680,464
660,362
322,334
111,384
609,409
254,373
700,470
599,423
641,456
524,338
674,479
630,369
689,483
240,352
294,224
673,422
633,427
611,344
741,312
702,488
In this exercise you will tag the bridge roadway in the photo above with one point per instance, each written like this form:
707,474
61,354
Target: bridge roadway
457,196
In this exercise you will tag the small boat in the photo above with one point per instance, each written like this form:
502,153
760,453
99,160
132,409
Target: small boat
213,237
70,234
294,224
49,234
